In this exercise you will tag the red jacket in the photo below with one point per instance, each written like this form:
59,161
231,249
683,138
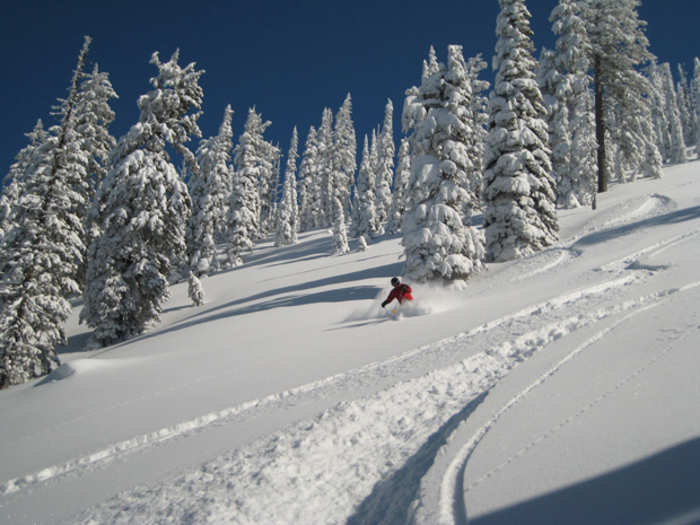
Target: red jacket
400,293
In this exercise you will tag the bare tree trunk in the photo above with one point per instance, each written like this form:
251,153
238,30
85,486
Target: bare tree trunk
600,126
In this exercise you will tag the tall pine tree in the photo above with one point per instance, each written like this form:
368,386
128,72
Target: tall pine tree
399,200
94,115
673,116
288,212
696,90
345,159
244,208
14,180
439,242
386,151
364,218
480,119
618,48
571,60
520,216
325,185
146,205
308,169
685,105
41,254
208,190
556,90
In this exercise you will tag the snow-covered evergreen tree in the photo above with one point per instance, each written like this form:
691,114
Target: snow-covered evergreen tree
431,65
9,196
413,110
673,116
208,190
386,151
377,229
653,163
618,47
146,205
279,181
659,120
288,211
696,91
93,117
340,161
364,219
195,290
439,241
13,182
520,216
582,178
340,235
325,188
399,200
572,51
41,254
480,116
345,161
68,154
361,243
308,170
685,106
244,207
269,183
556,91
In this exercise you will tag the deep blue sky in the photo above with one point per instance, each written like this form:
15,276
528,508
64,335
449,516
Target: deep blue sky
288,59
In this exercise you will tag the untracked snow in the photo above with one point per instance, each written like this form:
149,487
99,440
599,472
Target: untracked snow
561,387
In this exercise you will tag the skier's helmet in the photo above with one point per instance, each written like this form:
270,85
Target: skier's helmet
394,281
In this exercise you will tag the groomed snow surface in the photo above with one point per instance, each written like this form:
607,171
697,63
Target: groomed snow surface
561,388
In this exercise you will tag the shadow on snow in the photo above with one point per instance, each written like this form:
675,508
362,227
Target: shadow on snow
686,214
289,296
391,499
386,271
305,250
664,487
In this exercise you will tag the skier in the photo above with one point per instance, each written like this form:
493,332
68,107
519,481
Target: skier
401,292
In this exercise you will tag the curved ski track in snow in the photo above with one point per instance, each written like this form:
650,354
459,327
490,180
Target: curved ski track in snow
404,365
637,209
452,505
404,425
633,210
394,424
338,451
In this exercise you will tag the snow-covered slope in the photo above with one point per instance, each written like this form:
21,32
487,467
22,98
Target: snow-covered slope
560,388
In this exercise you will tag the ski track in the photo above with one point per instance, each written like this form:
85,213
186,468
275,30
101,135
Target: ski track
391,430
641,208
452,506
401,366
271,474
280,475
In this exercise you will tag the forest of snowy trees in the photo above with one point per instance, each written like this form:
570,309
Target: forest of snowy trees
118,221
